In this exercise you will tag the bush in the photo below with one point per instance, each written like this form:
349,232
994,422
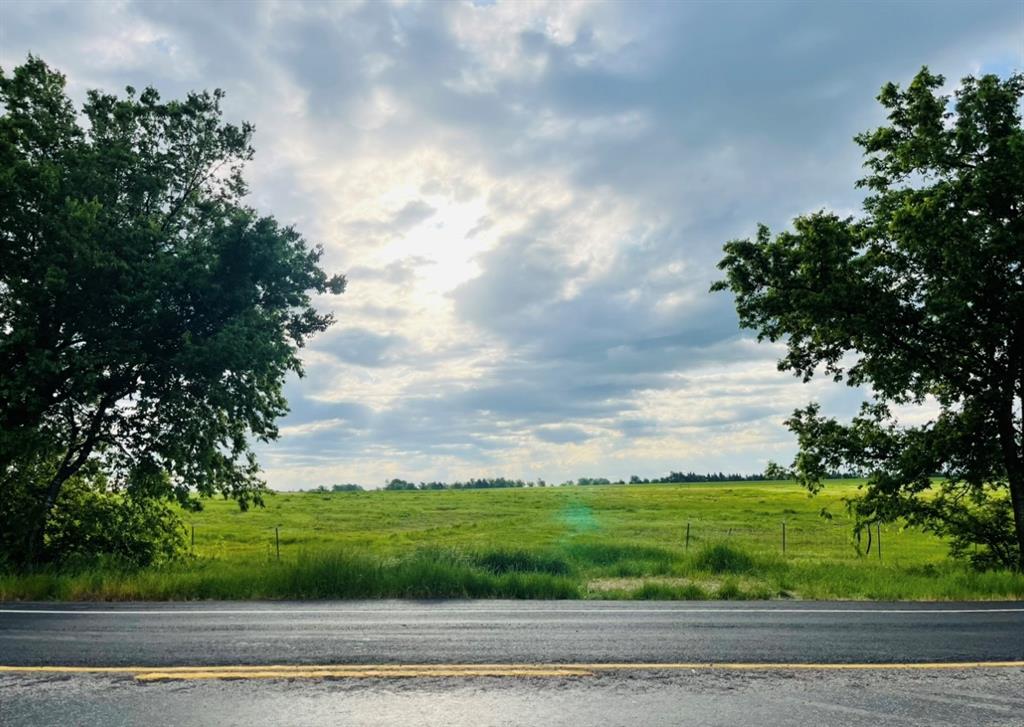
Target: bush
720,558
521,561
90,523
610,554
980,528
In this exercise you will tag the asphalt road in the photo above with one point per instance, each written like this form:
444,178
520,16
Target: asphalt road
642,647
402,632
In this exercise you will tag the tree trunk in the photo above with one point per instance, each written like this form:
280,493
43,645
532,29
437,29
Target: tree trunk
75,457
37,536
1017,500
1013,460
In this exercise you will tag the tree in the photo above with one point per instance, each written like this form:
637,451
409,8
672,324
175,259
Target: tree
921,299
148,317
399,484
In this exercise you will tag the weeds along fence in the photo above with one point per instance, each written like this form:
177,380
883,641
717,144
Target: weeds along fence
883,543
879,541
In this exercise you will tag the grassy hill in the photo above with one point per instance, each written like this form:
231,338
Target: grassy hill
602,541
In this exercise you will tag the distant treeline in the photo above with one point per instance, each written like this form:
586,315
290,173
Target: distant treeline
494,483
487,483
717,477
481,483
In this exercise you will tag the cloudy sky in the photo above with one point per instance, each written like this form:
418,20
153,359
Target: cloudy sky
529,199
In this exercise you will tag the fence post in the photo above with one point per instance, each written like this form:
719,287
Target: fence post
783,537
878,531
193,536
687,536
277,540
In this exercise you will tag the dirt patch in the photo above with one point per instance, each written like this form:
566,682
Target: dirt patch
605,585
681,587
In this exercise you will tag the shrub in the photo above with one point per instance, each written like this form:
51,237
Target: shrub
610,554
521,561
720,558
90,524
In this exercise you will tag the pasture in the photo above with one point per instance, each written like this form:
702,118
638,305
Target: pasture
604,541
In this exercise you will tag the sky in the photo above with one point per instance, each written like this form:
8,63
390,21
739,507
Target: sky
529,200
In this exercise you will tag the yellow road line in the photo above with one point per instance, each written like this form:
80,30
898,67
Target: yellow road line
388,671
369,673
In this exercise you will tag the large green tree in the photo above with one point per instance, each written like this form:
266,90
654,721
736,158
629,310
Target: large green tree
148,317
921,300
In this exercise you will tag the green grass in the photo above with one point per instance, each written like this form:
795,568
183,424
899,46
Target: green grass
571,542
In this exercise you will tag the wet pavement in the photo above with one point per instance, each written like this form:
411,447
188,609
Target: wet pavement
977,697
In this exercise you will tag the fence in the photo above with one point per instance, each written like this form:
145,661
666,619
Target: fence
881,542
791,539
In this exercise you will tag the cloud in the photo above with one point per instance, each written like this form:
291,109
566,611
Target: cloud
562,435
529,200
411,214
397,272
362,346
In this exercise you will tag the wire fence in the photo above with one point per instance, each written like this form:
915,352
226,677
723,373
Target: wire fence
833,541
889,542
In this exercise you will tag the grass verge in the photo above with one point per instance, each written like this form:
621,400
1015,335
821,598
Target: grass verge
313,575
713,571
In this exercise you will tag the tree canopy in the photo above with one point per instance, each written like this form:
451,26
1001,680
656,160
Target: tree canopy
921,300
148,316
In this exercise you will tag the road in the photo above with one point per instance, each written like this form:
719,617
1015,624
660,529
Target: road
502,662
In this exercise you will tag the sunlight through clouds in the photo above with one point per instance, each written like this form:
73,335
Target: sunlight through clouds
529,200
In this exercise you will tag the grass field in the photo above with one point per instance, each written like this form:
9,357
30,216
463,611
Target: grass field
557,542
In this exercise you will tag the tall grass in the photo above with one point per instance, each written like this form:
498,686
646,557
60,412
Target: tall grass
721,558
714,571
312,575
